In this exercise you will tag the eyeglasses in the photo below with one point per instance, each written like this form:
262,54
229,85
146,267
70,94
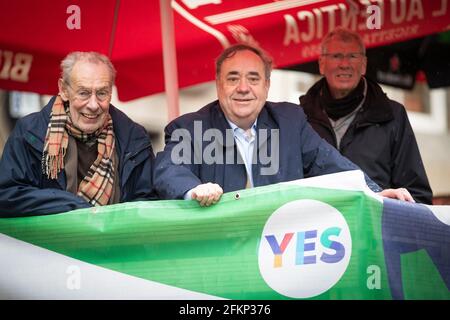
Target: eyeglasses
352,57
84,94
234,80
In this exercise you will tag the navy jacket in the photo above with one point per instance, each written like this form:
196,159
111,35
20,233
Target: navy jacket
25,191
302,153
380,140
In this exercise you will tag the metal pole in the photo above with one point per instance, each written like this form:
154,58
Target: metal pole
169,59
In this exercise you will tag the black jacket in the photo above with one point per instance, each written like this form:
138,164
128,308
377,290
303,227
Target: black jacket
380,140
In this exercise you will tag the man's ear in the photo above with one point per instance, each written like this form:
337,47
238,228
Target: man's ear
364,66
321,65
62,90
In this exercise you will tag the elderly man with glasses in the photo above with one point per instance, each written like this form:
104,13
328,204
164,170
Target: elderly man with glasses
353,114
77,152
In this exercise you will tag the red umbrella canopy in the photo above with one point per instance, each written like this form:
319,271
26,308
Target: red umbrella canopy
36,35
40,33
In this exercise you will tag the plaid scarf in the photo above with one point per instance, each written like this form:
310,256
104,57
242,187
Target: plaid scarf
97,186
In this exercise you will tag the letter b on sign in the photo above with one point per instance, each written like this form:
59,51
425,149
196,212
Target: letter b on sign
15,66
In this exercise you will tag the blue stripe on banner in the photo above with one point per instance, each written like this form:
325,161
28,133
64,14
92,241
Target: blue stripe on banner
407,228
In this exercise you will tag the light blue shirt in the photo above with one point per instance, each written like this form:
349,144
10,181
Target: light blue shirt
245,142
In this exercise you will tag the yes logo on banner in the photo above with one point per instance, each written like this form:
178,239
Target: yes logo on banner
305,248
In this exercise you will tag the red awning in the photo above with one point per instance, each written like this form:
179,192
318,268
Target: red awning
36,35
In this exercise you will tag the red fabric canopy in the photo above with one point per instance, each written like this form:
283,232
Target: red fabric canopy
36,35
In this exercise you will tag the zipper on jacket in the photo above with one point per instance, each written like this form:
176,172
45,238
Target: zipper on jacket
129,156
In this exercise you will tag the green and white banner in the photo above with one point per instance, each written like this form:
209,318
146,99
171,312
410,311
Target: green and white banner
327,237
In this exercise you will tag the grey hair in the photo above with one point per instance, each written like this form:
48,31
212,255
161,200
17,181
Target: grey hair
231,51
345,35
72,58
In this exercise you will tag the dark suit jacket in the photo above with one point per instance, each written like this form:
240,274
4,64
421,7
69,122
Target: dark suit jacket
302,153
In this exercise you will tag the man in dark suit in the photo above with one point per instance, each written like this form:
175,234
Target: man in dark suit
241,140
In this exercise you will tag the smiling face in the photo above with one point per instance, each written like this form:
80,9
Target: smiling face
89,95
342,65
242,88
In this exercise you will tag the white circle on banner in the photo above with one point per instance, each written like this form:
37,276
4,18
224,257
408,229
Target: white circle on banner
305,248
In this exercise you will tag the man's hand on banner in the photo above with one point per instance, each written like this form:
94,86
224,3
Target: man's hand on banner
400,194
207,194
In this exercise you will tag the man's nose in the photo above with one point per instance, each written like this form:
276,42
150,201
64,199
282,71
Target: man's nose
93,102
243,85
344,62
